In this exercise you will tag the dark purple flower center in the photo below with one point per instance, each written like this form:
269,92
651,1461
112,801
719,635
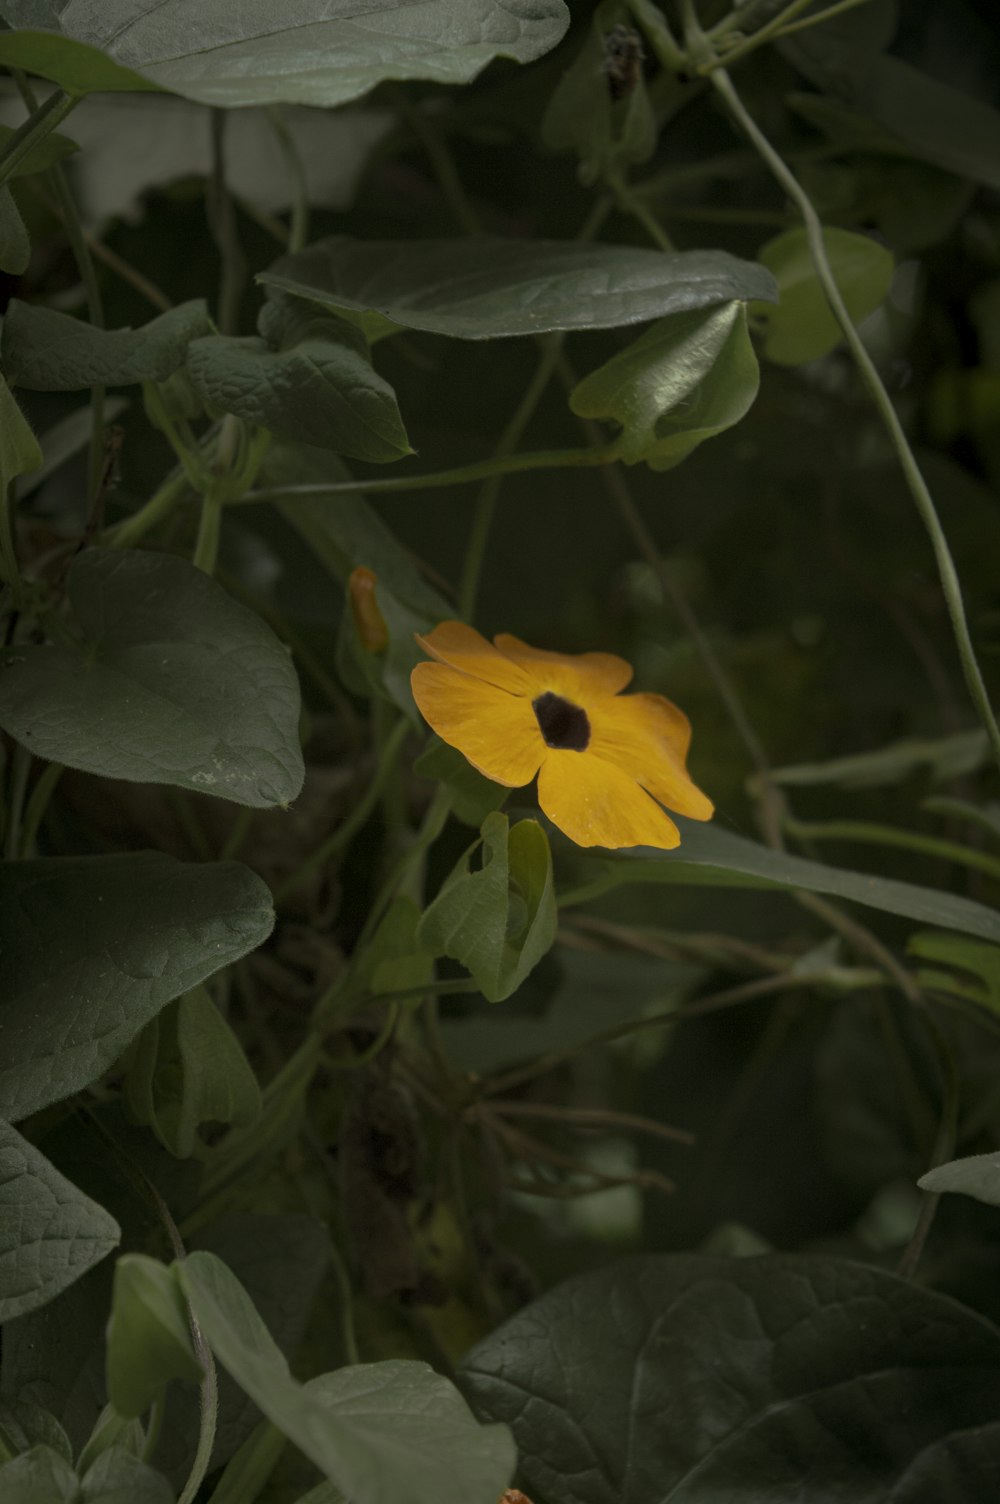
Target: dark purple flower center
561,723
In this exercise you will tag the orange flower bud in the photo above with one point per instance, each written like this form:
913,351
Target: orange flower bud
372,631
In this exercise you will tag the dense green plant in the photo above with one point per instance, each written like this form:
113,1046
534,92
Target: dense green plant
368,1130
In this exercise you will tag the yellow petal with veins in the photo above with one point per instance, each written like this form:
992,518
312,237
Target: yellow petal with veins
597,804
573,675
647,737
465,649
497,732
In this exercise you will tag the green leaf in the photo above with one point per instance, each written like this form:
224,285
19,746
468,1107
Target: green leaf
802,327
94,948
481,287
188,1069
318,387
385,1433
39,1476
47,351
119,1478
112,1430
590,992
708,854
316,52
393,960
473,797
149,1339
25,1424
977,1176
767,1380
499,921
945,757
50,1233
19,450
684,380
15,246
344,531
48,152
606,134
930,120
979,960
174,682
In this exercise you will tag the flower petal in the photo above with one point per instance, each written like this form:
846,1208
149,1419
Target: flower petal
462,647
573,675
648,737
596,804
497,732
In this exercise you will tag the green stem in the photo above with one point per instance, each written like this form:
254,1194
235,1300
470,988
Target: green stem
923,500
345,832
817,20
630,204
37,805
73,226
475,551
130,531
887,835
441,160
10,570
298,229
751,43
206,548
20,770
40,123
225,232
190,457
541,459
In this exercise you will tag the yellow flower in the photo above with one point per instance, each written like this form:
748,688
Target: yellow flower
603,759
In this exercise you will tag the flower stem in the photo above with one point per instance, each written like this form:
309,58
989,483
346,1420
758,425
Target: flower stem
356,819
947,573
40,123
539,459
475,552
130,531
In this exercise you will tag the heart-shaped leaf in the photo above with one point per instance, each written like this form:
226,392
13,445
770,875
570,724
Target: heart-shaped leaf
173,682
687,378
802,326
188,1069
483,287
38,1476
47,351
767,1380
499,921
95,946
50,1233
386,1433
149,1335
317,52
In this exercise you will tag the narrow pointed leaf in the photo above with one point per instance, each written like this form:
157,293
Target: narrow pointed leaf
708,854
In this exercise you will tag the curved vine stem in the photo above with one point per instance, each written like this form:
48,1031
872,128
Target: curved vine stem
947,573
